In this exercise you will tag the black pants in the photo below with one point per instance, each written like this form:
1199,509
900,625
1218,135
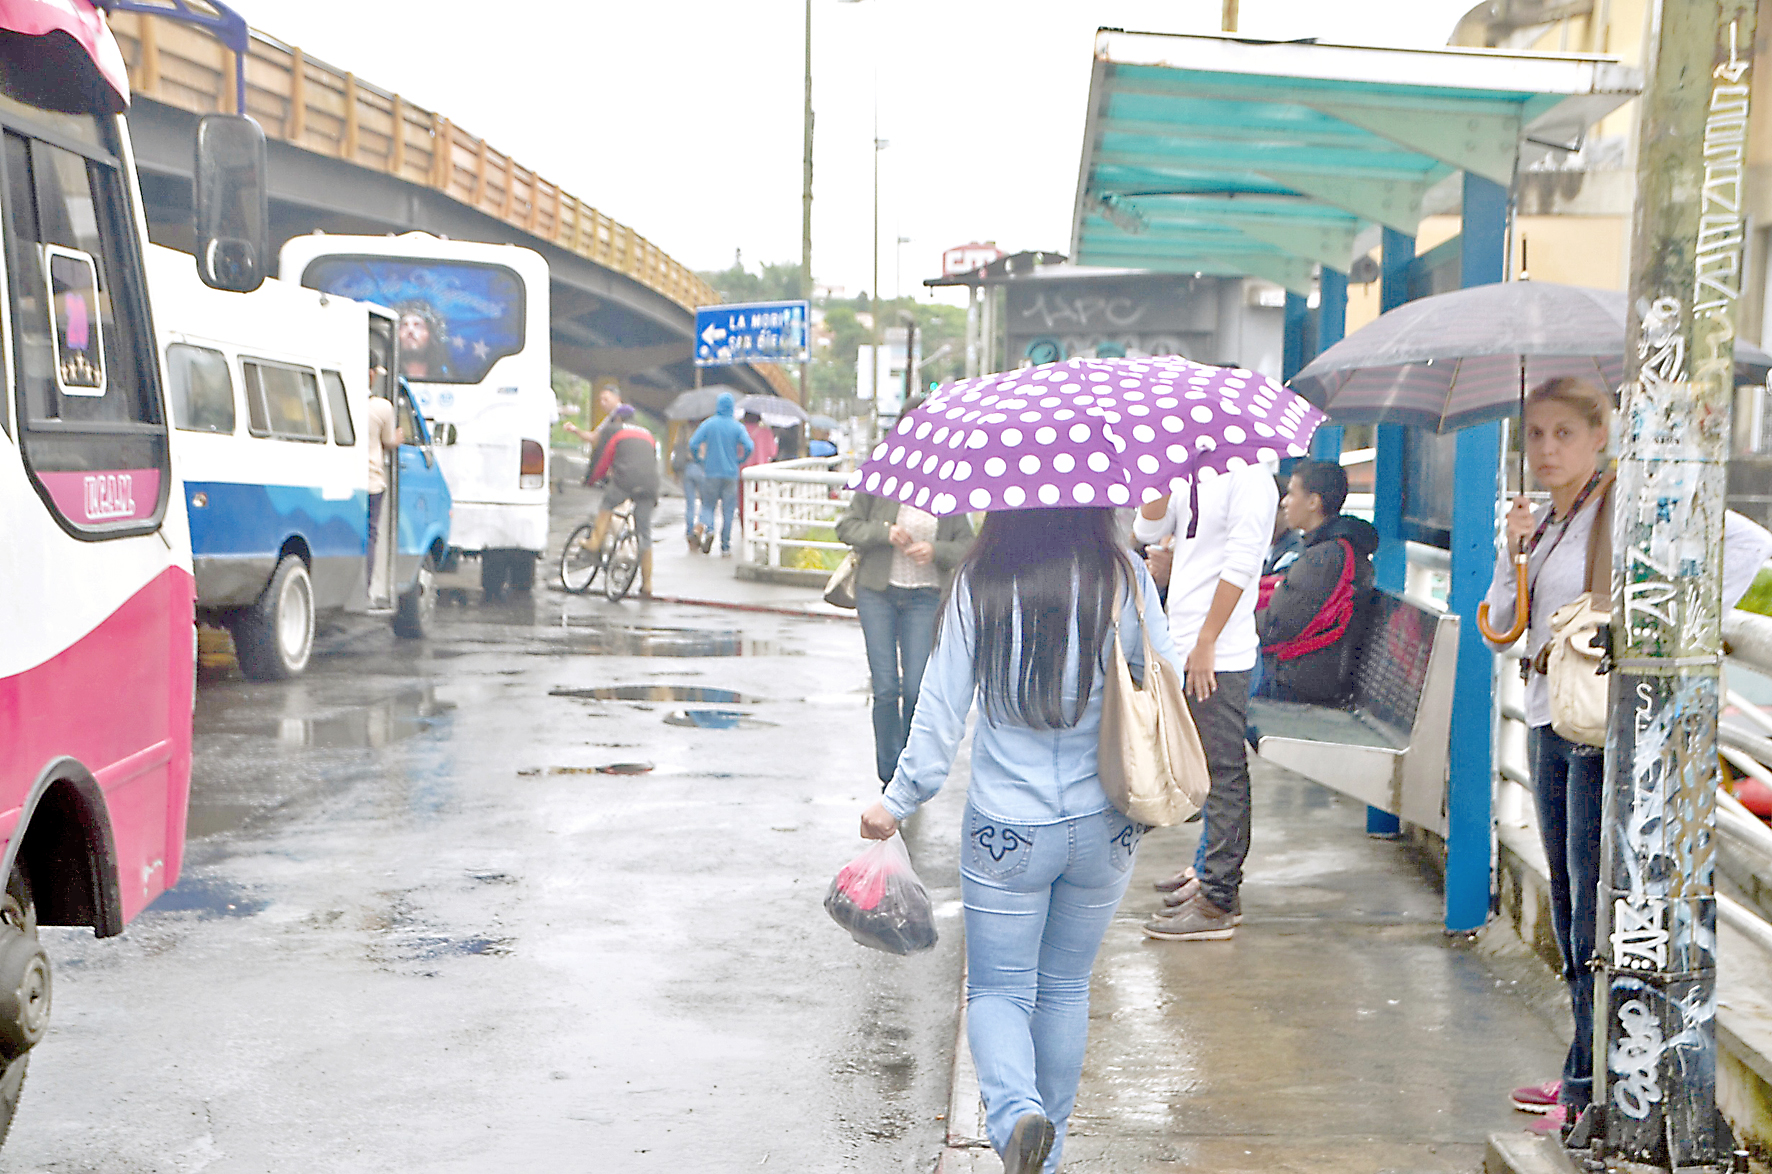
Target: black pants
1222,720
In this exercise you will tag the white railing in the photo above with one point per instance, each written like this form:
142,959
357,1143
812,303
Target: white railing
787,503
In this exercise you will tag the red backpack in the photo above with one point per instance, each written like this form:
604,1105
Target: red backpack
1331,621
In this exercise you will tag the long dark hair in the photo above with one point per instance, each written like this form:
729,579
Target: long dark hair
1045,566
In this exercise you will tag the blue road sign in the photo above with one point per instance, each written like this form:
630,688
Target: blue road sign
753,332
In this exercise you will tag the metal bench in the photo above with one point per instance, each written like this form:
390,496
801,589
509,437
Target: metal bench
1388,748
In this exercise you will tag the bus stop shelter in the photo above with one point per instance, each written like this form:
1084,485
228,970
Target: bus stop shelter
1230,157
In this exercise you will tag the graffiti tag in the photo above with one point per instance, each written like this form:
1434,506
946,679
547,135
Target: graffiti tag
1639,935
1079,313
1635,1060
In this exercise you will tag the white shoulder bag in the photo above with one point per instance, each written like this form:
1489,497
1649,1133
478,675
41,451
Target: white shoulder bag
1578,688
1151,763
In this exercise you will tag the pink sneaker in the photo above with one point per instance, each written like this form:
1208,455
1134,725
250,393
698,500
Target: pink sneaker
1551,1124
1538,1098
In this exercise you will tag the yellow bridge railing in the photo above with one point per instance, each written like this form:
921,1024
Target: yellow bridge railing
311,105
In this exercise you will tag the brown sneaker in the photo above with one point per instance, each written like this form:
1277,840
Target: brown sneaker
1197,921
1187,892
1170,883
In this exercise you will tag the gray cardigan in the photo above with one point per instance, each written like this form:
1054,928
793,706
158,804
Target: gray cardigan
867,526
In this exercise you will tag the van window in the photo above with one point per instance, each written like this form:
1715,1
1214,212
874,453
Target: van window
200,388
92,427
283,402
342,430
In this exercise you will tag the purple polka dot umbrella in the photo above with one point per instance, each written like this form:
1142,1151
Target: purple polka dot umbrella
1085,432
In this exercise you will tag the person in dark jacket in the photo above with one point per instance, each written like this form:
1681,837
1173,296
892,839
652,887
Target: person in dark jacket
627,457
1314,623
907,558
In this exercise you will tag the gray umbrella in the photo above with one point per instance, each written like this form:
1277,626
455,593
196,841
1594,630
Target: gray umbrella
823,424
1463,358
776,412
698,402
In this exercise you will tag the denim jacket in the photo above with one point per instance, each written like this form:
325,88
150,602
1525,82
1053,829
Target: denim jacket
1020,775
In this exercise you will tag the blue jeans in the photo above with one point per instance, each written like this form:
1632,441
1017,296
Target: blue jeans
898,628
1038,901
722,491
693,478
1567,781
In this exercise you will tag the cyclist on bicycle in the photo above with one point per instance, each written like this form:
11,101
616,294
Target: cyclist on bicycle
628,457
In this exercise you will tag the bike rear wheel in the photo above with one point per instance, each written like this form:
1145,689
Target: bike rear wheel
624,564
580,561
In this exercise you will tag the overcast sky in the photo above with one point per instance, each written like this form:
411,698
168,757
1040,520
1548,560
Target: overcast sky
682,117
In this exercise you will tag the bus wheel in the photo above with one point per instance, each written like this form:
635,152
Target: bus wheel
418,603
493,569
520,570
275,636
24,992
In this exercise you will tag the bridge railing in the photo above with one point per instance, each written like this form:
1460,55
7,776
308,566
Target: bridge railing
792,506
332,112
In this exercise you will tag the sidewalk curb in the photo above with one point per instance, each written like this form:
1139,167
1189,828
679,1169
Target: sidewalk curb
1523,1153
766,608
967,1144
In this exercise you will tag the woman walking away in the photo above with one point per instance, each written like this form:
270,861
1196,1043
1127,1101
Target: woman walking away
907,559
1045,858
1566,427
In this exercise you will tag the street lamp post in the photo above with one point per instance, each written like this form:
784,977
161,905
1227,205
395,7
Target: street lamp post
806,214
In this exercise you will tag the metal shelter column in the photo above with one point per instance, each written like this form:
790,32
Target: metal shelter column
1390,563
1295,337
1331,329
1469,783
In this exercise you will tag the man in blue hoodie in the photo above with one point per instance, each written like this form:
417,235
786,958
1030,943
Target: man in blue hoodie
720,444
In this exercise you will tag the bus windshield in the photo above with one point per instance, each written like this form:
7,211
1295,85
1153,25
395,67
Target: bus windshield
456,318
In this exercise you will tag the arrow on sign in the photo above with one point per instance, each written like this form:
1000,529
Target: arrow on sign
712,334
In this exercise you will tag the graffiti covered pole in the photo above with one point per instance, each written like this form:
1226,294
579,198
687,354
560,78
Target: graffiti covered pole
1655,1018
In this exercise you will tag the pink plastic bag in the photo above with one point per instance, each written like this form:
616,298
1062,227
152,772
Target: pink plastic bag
879,900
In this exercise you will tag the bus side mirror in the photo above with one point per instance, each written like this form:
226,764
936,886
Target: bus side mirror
232,208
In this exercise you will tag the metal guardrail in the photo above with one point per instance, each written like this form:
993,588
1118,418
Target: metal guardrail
1745,742
332,112
787,500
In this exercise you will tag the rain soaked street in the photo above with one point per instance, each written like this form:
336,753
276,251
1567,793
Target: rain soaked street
418,929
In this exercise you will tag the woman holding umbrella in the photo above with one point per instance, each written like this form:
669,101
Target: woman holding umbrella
1045,857
1565,434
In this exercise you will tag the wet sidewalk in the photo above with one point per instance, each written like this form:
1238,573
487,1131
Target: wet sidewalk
1340,1030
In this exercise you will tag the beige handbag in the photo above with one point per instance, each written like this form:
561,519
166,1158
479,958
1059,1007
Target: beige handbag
1578,688
839,590
1151,763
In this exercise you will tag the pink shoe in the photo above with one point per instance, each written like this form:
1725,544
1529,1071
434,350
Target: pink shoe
1551,1124
1538,1098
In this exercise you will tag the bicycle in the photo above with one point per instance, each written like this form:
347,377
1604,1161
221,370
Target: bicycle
617,560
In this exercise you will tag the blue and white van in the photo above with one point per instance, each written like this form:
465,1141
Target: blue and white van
269,394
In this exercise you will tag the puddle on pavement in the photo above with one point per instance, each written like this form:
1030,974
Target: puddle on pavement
209,898
380,722
602,640
656,693
716,719
607,768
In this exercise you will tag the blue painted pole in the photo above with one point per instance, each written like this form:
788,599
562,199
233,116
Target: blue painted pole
1470,785
1390,563
1292,354
1331,329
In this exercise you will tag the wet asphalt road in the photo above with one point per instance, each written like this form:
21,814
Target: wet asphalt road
416,932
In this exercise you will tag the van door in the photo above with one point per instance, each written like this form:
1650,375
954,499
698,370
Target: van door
383,363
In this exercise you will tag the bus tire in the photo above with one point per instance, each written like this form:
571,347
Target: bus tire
24,992
418,604
274,638
520,569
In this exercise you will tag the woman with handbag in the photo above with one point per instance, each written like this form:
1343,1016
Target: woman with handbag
1568,548
905,558
1028,628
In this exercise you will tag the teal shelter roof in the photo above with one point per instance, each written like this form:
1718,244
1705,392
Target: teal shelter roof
1230,157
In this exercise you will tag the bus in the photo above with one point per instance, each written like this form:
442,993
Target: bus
98,660
269,393
473,332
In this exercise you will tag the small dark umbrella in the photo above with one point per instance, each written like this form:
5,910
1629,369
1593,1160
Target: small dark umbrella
698,402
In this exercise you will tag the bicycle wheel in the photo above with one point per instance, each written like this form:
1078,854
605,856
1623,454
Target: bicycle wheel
580,561
624,564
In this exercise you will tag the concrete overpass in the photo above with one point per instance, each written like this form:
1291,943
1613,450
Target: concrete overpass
349,157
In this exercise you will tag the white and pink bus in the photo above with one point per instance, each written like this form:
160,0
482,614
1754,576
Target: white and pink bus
97,640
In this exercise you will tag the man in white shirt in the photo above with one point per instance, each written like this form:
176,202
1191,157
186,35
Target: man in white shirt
1221,529
382,430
